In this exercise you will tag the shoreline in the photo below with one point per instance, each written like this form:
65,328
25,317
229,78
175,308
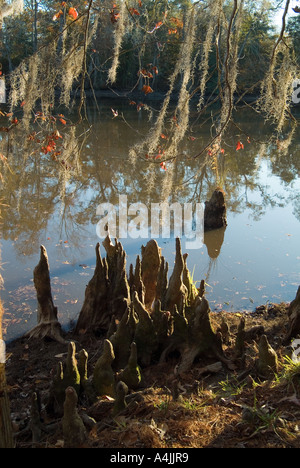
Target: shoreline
208,392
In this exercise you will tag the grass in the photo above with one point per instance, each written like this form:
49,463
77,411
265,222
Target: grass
291,371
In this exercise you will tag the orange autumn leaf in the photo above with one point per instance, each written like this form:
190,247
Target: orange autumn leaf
147,89
57,15
177,21
114,17
134,11
73,12
145,73
157,26
63,121
239,146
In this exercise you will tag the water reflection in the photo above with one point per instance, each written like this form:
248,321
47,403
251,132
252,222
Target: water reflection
48,202
214,241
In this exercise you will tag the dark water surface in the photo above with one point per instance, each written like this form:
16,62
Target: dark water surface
255,260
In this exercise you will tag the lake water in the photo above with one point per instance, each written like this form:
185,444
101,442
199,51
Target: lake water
256,259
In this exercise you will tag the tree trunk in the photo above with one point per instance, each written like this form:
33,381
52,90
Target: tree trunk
6,438
294,319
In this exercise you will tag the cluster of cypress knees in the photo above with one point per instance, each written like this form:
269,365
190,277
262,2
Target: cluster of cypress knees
144,317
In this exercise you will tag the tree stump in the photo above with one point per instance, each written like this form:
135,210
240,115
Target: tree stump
48,325
215,216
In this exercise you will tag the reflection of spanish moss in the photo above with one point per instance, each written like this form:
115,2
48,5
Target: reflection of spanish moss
213,241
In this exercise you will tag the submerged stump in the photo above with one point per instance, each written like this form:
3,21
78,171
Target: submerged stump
215,212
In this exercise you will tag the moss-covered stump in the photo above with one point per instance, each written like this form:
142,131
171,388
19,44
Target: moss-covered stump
131,375
267,363
145,335
67,375
104,377
122,338
120,403
74,431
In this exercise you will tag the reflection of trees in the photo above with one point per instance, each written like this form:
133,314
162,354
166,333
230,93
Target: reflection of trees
33,185
29,198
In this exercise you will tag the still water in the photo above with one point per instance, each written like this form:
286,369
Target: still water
254,260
